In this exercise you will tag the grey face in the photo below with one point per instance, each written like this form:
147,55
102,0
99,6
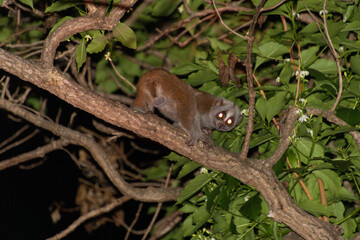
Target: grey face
225,122
227,116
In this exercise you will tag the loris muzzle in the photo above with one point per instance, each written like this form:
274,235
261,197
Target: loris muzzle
196,112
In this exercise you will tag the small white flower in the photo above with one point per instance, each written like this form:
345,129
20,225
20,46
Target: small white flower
108,56
302,100
88,37
302,74
181,9
299,111
303,118
287,60
311,132
277,79
244,112
341,48
203,170
246,198
322,12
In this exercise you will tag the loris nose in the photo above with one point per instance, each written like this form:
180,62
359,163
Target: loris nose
221,125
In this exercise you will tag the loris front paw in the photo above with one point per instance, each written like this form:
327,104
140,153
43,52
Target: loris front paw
206,140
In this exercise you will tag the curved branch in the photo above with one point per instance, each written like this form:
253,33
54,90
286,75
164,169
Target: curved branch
94,21
284,141
77,138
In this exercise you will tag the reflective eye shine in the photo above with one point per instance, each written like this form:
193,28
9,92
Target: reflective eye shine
229,121
220,115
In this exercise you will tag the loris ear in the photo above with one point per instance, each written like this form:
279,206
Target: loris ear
218,102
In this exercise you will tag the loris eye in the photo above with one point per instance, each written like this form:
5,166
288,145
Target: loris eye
229,121
220,115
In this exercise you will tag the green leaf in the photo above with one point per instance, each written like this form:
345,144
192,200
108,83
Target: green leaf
341,129
349,13
325,66
286,73
353,26
30,3
331,180
188,168
316,208
194,186
351,116
304,146
186,68
261,107
269,51
125,35
34,103
272,49
81,54
269,108
201,77
59,23
346,195
317,126
260,140
252,208
275,105
158,171
60,6
355,63
218,45
213,197
309,56
194,221
97,44
164,8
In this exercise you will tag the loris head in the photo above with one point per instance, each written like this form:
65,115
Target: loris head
226,114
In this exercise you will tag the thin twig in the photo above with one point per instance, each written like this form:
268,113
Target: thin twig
158,206
249,78
134,221
122,77
226,26
273,7
89,215
21,141
336,57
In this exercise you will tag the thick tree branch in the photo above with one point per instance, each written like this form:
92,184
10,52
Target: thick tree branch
252,172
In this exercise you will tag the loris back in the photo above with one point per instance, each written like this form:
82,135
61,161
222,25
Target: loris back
195,111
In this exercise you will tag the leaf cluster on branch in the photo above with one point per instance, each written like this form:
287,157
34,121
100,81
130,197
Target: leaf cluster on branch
292,164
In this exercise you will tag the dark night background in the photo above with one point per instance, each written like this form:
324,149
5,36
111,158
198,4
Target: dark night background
28,195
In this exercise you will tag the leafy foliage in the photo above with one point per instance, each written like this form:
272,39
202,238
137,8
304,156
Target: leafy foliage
294,66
